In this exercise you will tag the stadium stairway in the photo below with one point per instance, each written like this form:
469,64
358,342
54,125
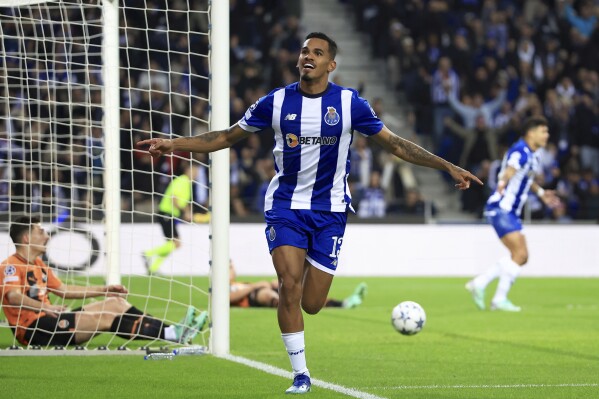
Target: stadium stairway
355,68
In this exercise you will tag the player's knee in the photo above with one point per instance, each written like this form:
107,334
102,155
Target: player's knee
521,257
100,321
290,288
311,307
117,304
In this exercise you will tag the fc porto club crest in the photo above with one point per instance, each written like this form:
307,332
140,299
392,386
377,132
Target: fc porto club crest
272,234
332,117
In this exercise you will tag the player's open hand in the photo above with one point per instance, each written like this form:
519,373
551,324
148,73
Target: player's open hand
158,147
551,199
116,290
463,177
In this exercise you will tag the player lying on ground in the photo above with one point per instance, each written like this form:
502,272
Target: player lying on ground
266,294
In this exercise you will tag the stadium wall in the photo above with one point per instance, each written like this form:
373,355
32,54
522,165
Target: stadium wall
368,249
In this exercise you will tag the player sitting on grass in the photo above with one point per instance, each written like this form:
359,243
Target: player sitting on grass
26,280
266,294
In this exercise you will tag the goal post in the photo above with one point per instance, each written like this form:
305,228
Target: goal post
112,128
144,76
219,60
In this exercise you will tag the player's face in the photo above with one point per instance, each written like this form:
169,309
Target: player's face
38,238
539,136
315,61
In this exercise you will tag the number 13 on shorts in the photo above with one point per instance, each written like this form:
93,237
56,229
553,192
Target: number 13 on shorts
336,246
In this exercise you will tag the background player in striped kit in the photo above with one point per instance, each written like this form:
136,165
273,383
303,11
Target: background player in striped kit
308,199
516,178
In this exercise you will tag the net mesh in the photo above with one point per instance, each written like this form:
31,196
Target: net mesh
52,147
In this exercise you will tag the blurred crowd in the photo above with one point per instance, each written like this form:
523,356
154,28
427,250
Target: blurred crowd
469,71
472,70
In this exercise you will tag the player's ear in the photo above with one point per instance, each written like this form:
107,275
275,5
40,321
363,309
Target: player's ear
332,66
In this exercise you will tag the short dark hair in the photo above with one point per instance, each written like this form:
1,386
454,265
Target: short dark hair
21,226
331,42
532,123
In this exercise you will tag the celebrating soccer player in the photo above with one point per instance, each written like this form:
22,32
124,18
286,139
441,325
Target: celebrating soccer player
308,199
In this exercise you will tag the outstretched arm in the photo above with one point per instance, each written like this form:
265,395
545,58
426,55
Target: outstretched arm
16,298
417,155
203,143
496,103
80,292
465,111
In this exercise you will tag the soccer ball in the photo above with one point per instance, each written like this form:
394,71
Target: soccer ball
408,318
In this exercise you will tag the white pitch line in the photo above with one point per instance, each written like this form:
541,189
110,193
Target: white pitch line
287,374
409,387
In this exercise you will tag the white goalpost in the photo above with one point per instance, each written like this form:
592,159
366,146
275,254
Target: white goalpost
80,83
219,62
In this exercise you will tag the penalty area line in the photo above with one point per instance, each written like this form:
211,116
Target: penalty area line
499,386
267,368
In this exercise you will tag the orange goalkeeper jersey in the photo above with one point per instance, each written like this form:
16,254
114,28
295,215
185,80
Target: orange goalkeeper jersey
30,280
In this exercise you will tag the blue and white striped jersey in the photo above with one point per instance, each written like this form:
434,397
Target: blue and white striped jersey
313,135
527,165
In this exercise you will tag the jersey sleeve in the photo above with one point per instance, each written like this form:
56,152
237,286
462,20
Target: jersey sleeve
258,116
363,117
12,278
517,159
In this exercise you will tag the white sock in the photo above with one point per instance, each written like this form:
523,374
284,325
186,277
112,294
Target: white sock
294,343
169,333
509,272
482,280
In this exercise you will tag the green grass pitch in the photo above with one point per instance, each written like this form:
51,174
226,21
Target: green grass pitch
549,350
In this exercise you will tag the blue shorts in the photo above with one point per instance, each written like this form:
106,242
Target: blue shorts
503,222
319,232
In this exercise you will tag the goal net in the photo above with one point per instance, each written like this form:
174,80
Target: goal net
80,83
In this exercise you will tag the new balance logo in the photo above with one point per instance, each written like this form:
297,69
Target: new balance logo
290,117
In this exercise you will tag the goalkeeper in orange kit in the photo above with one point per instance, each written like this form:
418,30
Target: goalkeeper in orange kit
26,284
